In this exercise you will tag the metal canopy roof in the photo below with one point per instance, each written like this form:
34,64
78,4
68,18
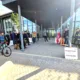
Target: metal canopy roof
45,12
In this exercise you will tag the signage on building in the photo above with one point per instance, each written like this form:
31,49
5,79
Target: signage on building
71,53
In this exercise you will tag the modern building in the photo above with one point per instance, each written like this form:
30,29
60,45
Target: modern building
76,21
7,26
43,14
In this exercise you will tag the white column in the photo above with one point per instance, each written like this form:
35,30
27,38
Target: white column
61,24
72,22
27,25
75,18
21,32
32,27
22,23
36,24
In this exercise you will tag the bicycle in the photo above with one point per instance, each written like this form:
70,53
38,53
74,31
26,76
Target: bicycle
5,49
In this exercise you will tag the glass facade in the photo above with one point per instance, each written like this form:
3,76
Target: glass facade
76,17
7,25
51,32
27,25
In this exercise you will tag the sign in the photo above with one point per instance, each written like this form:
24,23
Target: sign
71,53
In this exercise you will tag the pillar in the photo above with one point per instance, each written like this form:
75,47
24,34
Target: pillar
72,22
75,18
36,24
32,27
22,23
21,32
61,25
27,25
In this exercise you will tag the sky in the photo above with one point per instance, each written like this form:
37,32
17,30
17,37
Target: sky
3,9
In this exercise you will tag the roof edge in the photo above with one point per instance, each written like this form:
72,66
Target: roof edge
7,1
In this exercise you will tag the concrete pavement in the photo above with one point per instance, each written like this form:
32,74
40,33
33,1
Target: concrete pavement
45,49
42,61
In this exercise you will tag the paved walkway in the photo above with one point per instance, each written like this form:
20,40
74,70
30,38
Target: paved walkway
34,67
45,49
39,62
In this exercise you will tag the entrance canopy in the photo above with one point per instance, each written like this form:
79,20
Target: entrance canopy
46,12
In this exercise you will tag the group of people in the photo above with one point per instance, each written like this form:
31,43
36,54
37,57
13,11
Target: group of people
27,38
16,38
63,39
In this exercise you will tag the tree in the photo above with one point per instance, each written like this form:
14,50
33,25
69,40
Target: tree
15,20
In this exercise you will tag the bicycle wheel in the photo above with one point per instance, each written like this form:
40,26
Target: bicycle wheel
7,51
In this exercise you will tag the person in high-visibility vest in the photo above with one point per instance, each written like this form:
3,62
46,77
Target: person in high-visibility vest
34,35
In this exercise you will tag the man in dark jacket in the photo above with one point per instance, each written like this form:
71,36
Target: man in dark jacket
66,36
38,36
25,37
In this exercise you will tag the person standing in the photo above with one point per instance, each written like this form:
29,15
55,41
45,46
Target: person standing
45,37
34,35
38,36
66,36
2,38
58,37
7,38
27,37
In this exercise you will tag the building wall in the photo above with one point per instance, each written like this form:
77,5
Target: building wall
1,26
76,21
8,26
